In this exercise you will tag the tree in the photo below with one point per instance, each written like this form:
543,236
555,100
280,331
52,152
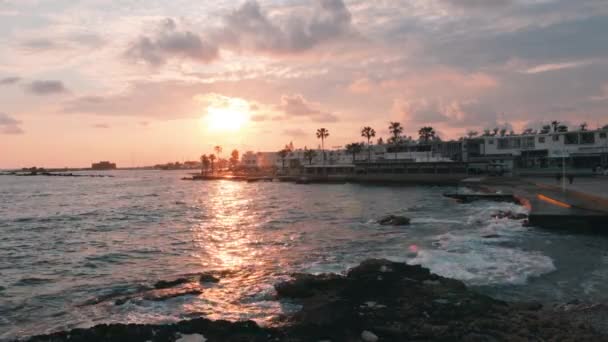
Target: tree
322,134
212,159
528,131
426,134
380,141
309,155
486,132
555,125
369,133
395,129
503,132
472,134
495,130
234,158
204,164
283,155
354,149
583,126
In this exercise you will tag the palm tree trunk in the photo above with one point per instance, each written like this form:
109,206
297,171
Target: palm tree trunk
369,151
323,148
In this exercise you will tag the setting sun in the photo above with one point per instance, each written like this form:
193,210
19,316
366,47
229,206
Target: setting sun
226,114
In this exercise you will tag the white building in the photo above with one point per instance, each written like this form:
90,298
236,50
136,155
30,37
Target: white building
580,149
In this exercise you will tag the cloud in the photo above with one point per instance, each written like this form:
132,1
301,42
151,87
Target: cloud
9,125
301,29
169,42
247,28
63,41
554,67
295,133
478,4
9,80
101,125
296,105
39,44
46,87
454,113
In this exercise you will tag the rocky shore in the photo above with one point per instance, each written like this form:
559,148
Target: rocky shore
378,300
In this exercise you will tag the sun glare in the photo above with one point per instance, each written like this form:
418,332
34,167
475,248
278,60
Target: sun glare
227,115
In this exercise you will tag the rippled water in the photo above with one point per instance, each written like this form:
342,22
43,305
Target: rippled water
68,243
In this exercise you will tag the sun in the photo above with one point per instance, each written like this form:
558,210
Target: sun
228,115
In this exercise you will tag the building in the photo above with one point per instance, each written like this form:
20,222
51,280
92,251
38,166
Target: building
103,165
581,151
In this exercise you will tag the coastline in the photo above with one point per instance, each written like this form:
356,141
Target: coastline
378,300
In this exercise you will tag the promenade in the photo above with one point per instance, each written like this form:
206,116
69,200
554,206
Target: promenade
582,207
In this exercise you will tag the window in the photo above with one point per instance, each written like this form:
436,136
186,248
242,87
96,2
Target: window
541,140
603,135
503,144
588,138
491,142
528,142
571,139
556,137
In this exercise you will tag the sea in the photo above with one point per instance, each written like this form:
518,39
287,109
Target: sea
66,244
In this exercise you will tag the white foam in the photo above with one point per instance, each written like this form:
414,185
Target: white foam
485,266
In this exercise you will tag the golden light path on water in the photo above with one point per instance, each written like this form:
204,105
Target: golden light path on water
244,261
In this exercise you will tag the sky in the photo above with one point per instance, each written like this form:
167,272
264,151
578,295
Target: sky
141,82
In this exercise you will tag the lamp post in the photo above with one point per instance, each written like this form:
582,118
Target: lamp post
563,170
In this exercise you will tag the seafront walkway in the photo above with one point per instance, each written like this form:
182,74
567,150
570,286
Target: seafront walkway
579,208
589,193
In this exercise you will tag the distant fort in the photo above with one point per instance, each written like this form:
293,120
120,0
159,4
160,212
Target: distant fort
103,165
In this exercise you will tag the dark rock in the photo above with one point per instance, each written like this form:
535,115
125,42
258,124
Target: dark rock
163,284
393,220
393,301
510,215
208,278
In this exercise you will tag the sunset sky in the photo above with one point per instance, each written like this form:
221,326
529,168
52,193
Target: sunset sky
140,82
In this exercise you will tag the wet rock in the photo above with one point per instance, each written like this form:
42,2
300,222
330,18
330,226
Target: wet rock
404,304
510,215
369,336
163,284
191,338
393,220
208,278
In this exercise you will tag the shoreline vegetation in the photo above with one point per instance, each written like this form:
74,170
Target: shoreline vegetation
378,300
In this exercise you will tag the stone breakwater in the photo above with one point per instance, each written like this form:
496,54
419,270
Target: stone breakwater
378,300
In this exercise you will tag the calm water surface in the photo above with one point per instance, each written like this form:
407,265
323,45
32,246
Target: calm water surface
66,241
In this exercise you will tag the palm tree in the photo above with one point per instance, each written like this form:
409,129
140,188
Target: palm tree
369,133
495,130
203,161
426,134
395,129
472,134
555,125
583,126
234,158
354,149
322,134
309,155
212,159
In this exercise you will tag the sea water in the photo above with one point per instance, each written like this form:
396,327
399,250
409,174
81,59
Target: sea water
68,243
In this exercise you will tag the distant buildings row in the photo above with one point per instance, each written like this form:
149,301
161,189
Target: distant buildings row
103,165
583,150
